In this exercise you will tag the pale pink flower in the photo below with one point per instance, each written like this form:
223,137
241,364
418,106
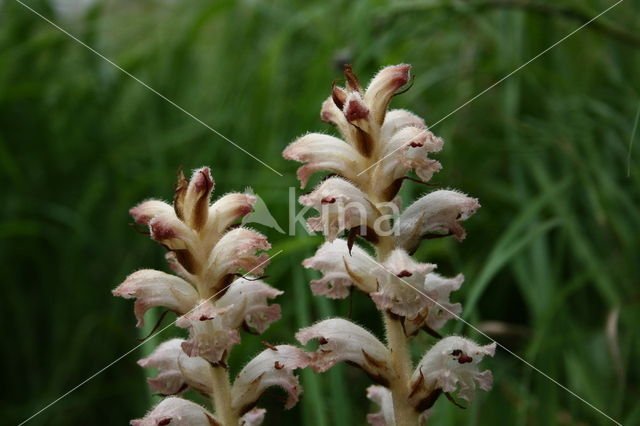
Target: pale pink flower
383,87
271,367
401,285
383,398
438,308
438,212
451,365
341,269
341,205
341,340
253,417
176,371
175,411
324,152
155,288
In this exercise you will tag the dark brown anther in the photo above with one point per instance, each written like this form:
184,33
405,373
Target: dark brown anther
352,80
403,274
164,422
323,340
269,345
277,365
179,194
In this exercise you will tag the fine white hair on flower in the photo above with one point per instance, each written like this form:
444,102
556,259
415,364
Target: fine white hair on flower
271,367
156,288
341,269
437,212
384,399
451,365
177,412
342,206
324,152
176,371
342,340
401,285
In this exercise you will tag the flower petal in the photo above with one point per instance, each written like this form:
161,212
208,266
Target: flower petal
382,88
147,210
397,119
209,336
196,199
341,206
383,398
177,412
155,288
237,250
247,299
176,370
271,367
224,212
401,285
437,212
324,152
450,365
253,417
342,269
341,340
407,150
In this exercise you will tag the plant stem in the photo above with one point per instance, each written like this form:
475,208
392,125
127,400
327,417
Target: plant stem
398,346
221,398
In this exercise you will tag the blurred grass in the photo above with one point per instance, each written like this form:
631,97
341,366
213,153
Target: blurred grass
554,250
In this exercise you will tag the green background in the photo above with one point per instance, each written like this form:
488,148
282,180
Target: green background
552,256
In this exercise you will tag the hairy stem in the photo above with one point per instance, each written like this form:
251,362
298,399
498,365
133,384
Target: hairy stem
221,398
397,343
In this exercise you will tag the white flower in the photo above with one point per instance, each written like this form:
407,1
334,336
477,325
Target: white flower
247,302
342,206
438,307
155,288
177,412
401,285
341,340
383,87
342,269
176,370
437,212
271,367
451,365
383,398
324,152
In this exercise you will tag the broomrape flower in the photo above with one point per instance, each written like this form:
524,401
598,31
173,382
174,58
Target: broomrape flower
215,292
369,165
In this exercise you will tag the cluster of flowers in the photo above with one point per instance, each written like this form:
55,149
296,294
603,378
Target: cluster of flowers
216,288
215,291
359,198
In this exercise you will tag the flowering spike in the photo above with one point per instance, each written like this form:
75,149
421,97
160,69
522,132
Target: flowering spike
380,147
208,254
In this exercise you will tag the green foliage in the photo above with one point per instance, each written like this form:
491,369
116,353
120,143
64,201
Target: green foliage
552,255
